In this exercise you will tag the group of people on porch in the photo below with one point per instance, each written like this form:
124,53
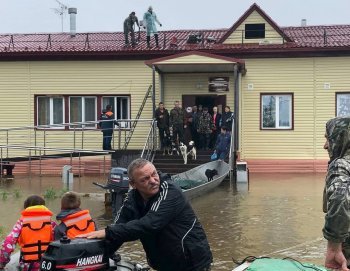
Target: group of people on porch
194,123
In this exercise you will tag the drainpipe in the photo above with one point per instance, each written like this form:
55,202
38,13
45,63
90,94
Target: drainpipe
154,91
236,119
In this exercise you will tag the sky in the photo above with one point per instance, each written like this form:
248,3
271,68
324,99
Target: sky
38,16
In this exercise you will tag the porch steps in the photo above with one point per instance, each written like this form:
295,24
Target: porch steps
174,164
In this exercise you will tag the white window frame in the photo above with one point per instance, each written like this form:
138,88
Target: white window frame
55,125
83,126
277,96
123,124
338,96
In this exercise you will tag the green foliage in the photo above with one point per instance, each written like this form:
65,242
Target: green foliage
17,193
4,195
50,193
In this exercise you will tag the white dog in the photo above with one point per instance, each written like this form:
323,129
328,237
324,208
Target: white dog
188,151
191,150
183,150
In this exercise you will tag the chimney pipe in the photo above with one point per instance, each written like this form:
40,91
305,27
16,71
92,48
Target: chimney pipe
303,22
72,14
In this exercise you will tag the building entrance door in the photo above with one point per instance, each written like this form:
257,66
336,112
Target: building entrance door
205,100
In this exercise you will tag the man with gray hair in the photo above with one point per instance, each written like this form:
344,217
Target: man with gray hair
157,212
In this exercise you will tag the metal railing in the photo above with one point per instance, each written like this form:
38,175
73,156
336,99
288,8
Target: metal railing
72,136
30,146
151,143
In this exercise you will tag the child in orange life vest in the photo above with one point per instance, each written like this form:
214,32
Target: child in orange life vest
74,221
33,232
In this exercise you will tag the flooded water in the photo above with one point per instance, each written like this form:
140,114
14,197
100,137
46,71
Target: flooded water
279,216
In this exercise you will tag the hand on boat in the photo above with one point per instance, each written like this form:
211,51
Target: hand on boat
335,258
93,235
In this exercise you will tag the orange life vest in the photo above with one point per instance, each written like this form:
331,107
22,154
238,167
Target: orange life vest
78,223
36,233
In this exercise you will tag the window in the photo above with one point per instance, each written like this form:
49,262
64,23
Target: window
82,109
343,104
254,31
276,111
120,108
50,110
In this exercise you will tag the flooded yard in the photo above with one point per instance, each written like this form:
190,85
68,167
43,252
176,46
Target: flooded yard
279,216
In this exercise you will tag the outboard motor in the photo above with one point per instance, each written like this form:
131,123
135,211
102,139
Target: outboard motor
118,185
83,254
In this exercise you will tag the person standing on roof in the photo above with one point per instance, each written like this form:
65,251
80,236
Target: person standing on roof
129,27
149,20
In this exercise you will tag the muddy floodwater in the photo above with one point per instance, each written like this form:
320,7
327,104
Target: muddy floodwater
280,215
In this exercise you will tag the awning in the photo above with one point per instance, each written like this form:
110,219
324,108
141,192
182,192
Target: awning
194,62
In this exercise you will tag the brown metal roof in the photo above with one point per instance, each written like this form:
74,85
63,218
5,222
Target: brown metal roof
306,40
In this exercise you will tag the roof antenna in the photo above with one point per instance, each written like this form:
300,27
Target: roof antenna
60,11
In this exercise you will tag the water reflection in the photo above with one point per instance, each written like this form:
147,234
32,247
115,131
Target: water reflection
279,216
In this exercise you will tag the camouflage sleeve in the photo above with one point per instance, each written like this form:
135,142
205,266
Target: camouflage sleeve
337,219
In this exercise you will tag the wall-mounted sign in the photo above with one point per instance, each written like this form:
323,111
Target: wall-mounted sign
218,84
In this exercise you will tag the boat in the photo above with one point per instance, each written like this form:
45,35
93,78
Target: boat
198,177
275,264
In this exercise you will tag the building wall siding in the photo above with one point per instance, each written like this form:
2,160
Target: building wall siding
254,18
278,76
20,81
313,105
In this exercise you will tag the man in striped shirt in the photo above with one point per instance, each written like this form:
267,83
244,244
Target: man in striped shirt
157,212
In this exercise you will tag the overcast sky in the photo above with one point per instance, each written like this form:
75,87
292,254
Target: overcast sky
38,16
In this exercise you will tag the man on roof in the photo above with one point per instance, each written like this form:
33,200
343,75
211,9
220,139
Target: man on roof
150,19
129,28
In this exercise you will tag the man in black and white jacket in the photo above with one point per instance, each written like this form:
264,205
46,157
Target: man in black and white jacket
157,212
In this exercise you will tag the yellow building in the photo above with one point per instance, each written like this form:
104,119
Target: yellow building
283,83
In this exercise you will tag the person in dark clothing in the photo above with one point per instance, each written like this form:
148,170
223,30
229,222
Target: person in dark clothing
162,117
205,126
74,220
176,122
129,28
158,213
187,126
223,144
216,128
227,118
106,125
194,126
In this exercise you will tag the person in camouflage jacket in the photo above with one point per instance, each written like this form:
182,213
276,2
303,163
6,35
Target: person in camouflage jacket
176,122
336,196
205,126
